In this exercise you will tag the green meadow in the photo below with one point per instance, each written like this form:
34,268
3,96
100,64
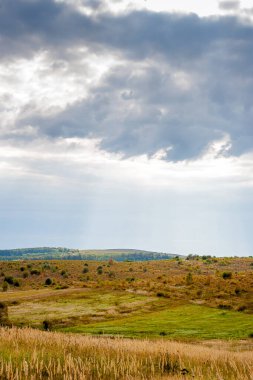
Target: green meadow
183,322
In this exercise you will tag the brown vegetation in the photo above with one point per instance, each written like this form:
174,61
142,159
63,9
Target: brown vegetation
224,282
28,354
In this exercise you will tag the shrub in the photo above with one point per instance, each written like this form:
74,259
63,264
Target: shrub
9,280
85,270
226,275
16,283
47,325
160,294
48,281
35,271
25,274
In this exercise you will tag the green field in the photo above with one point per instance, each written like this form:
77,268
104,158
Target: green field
183,322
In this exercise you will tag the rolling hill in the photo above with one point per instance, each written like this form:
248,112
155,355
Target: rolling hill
52,253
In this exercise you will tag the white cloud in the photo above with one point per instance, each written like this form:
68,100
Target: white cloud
81,161
45,85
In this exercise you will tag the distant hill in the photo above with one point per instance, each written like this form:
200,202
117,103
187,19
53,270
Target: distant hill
59,253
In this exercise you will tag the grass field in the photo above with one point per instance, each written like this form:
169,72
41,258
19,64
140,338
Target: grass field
179,299
27,354
183,322
205,302
79,306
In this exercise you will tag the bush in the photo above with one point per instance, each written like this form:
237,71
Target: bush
85,270
48,281
16,283
9,280
226,275
35,271
47,325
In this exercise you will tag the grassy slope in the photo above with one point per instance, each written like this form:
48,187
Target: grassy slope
183,322
134,299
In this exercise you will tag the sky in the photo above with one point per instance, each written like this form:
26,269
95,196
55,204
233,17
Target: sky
127,124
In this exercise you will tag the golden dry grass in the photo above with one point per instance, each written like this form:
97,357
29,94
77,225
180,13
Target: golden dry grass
31,354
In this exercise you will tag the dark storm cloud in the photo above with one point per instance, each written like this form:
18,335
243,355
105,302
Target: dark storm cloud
138,110
34,24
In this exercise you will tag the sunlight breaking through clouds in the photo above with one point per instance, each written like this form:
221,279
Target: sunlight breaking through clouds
130,113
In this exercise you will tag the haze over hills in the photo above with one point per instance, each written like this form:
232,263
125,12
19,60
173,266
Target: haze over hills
52,253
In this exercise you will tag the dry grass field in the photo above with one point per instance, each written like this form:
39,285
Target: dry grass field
31,354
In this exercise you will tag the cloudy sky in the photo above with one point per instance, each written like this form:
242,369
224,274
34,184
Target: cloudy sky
127,124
